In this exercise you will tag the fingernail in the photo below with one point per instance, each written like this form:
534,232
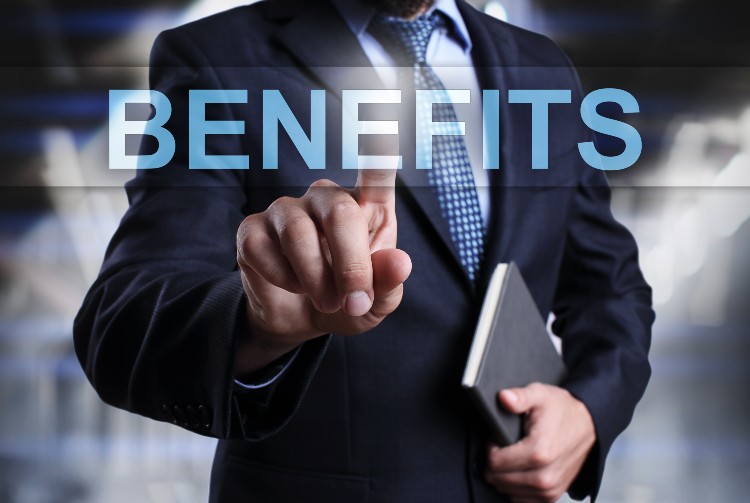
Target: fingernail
510,396
330,304
358,303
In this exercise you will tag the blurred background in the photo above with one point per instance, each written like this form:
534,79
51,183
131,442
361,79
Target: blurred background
687,201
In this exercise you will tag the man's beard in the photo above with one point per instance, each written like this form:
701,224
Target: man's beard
402,8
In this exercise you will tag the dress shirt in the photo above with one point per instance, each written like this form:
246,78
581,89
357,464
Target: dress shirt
449,55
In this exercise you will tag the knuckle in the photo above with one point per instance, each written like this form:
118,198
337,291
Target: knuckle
541,456
324,183
343,212
247,249
281,204
295,228
378,175
248,235
544,482
354,272
249,223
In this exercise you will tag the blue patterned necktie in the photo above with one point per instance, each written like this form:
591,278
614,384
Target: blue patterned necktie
451,176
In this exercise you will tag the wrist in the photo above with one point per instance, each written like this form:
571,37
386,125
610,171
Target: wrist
257,350
257,347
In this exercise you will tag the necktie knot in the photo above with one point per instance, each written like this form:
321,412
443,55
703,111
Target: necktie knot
406,41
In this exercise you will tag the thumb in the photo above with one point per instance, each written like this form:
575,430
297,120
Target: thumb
520,400
390,268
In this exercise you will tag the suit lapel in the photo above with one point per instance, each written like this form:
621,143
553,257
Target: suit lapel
320,39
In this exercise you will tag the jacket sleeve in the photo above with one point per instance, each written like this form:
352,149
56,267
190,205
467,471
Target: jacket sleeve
603,314
157,331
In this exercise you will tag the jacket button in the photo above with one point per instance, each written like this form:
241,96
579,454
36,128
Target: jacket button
168,415
192,416
205,414
179,415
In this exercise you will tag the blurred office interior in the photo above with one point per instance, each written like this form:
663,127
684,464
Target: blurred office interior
687,201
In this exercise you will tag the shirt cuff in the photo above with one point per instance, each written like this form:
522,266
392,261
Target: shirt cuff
268,375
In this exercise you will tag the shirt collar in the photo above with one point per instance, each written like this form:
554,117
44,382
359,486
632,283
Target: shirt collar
357,15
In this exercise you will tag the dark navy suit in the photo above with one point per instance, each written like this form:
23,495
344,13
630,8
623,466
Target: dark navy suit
378,417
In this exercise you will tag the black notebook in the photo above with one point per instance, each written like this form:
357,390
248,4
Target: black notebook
511,348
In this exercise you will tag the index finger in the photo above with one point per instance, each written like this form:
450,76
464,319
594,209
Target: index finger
378,164
375,186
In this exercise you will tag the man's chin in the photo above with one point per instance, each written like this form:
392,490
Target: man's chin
401,8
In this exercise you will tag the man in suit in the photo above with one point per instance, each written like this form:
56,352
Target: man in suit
271,308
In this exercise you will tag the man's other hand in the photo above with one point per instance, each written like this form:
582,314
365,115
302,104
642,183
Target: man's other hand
559,435
325,262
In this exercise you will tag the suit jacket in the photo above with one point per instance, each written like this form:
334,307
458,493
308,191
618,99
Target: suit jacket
378,417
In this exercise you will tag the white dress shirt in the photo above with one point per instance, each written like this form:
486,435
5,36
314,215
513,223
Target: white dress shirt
449,55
